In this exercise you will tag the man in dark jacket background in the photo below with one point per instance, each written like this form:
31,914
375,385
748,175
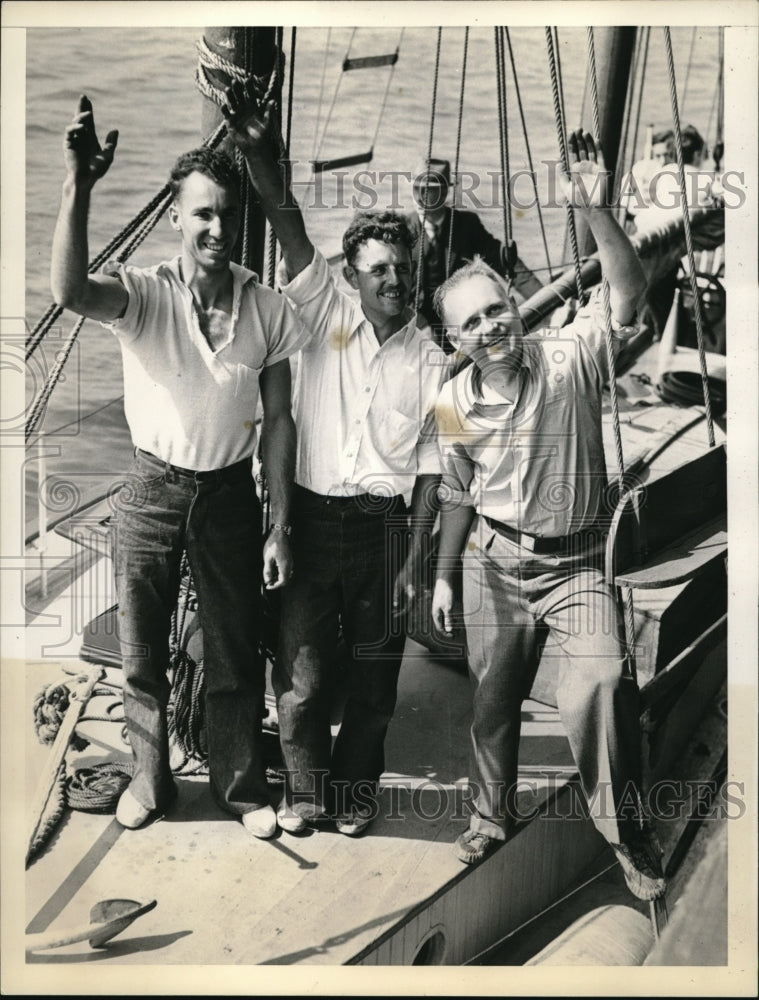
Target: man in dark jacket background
470,237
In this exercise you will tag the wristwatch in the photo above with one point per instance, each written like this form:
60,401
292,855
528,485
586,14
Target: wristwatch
286,529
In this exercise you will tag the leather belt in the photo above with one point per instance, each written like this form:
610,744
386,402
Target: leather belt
545,546
229,472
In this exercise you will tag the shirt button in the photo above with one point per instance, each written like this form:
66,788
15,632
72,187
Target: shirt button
358,421
368,389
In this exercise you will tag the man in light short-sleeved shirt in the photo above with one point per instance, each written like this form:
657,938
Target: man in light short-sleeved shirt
522,505
200,337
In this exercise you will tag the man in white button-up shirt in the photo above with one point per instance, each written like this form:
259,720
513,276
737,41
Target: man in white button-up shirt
364,409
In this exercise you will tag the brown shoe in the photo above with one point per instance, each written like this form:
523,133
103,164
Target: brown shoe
640,860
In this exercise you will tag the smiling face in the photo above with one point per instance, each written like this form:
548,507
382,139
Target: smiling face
207,215
483,322
381,273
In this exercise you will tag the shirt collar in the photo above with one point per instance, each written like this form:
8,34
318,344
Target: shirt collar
408,331
241,276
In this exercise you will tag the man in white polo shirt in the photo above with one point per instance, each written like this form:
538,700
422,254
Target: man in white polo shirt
523,507
198,336
366,473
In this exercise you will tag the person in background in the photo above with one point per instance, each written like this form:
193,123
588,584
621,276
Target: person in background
664,193
445,252
522,498
200,337
635,191
367,471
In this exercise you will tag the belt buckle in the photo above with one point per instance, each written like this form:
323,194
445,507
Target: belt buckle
529,542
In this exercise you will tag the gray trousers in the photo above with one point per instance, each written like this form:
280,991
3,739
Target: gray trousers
514,600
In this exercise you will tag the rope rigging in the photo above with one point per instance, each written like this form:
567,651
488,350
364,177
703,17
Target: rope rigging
718,102
689,66
641,61
349,64
626,119
528,150
629,611
317,155
558,107
449,253
314,155
420,265
689,237
503,136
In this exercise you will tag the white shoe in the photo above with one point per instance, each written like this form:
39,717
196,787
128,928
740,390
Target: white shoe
356,822
131,813
289,820
261,822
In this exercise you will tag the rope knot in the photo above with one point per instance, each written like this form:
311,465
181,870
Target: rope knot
50,707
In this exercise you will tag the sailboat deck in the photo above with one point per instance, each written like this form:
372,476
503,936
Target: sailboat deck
320,897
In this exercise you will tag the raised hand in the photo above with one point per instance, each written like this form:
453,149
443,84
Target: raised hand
247,122
586,185
86,160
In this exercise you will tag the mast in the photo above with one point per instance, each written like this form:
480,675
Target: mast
255,51
614,51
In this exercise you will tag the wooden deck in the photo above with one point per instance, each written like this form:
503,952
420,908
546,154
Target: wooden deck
224,897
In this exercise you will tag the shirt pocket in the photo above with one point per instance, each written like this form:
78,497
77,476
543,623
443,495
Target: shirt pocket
400,436
246,382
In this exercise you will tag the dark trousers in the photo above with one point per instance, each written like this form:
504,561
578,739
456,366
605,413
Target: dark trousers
347,552
511,598
217,518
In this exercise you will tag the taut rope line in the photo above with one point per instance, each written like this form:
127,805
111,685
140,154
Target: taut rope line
503,135
529,154
628,599
458,153
561,129
420,266
689,239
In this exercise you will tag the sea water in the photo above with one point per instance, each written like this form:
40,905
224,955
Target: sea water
141,81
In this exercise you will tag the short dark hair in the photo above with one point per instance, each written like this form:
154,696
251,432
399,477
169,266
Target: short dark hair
388,227
692,143
209,162
663,135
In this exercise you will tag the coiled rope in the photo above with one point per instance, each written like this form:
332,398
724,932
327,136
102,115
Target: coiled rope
56,804
98,788
49,709
186,714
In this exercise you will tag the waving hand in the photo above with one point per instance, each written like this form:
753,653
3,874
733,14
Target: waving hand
86,160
